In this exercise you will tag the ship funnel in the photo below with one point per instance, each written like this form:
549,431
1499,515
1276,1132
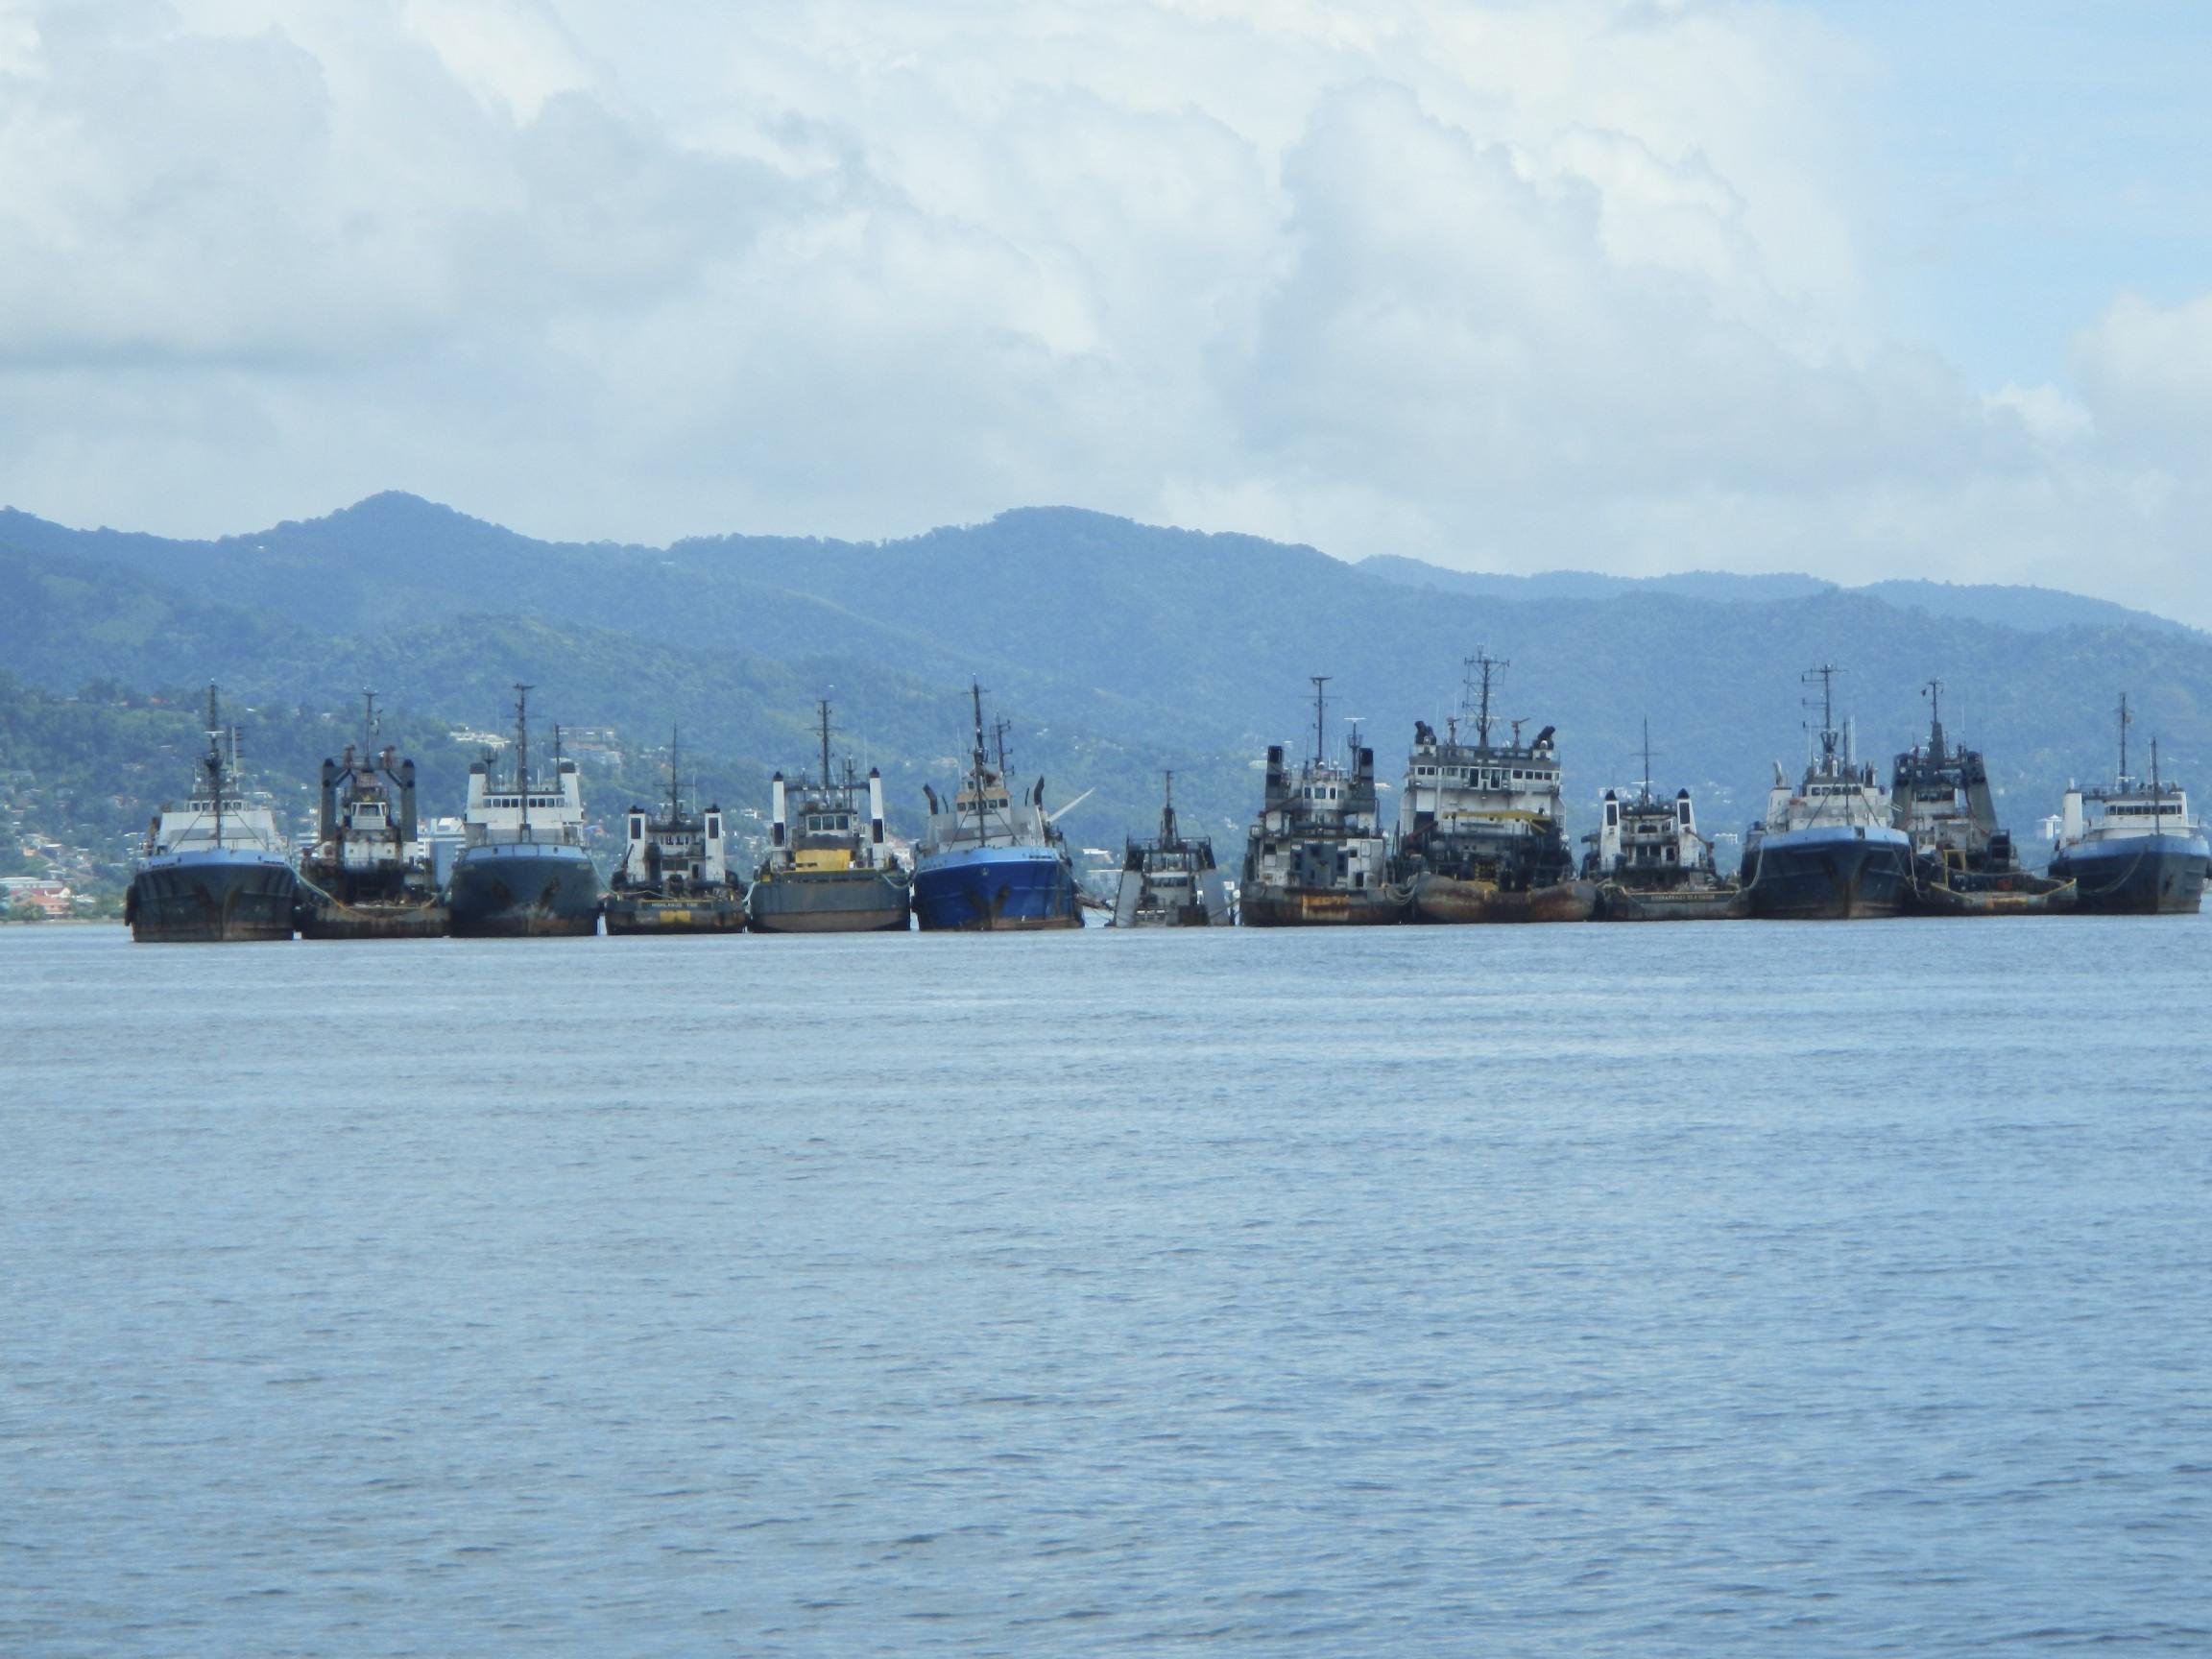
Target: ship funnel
777,833
875,806
715,865
407,819
327,824
1276,788
2069,817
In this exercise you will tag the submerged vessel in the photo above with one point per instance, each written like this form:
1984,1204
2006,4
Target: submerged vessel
212,871
523,871
368,875
674,873
987,864
1318,856
1480,825
2132,849
1170,881
829,869
1827,849
1964,861
1649,862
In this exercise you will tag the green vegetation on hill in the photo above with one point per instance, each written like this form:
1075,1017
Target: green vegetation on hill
1114,649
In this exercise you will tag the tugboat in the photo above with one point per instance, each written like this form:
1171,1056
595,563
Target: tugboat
523,871
827,871
368,875
988,865
212,871
1319,856
1480,835
674,875
1170,881
1827,849
1964,864
2132,850
1649,862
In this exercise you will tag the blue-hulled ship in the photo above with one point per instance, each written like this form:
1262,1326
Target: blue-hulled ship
213,870
523,871
1827,849
990,863
2132,849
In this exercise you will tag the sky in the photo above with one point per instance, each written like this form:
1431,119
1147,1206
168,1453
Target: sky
1867,290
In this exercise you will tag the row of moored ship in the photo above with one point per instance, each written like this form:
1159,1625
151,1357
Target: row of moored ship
1480,838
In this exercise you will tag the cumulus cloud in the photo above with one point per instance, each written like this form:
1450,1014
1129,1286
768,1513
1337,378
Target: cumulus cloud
1517,286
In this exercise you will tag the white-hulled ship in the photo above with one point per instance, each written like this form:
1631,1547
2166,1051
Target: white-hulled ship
1170,881
674,873
2132,849
988,864
523,871
1318,856
1964,861
1649,862
368,874
214,870
830,869
1480,825
1827,849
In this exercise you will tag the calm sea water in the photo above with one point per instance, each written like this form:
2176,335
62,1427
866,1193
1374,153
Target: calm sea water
1765,1289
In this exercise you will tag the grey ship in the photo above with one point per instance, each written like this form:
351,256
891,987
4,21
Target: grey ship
523,871
1649,862
1964,864
1318,856
368,875
1170,881
674,874
1479,825
829,870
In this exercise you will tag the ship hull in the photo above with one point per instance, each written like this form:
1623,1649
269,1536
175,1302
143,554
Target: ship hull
1451,901
1204,902
830,902
1617,902
1828,875
994,889
1940,892
636,913
386,902
1261,905
213,897
524,892
2156,874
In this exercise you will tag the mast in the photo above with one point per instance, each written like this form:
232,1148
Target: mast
1168,814
976,764
214,761
522,752
1826,674
1934,690
675,776
367,722
1320,716
822,704
1646,757
2125,720
1475,690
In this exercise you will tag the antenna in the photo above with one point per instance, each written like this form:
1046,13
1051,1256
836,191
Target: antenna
822,704
1647,757
1167,813
2125,720
1353,721
1320,716
1934,693
1475,688
368,726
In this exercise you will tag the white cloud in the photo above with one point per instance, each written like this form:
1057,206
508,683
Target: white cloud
1524,286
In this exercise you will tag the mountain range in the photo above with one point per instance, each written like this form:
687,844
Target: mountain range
1116,650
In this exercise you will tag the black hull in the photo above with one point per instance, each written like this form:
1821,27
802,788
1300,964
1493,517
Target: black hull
864,902
1620,904
1937,891
2151,883
212,902
1829,881
517,893
387,903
